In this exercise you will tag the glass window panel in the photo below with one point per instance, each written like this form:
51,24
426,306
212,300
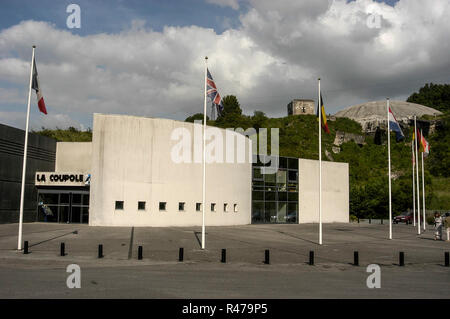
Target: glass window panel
269,196
292,213
283,162
64,198
85,215
85,199
270,212
76,199
281,214
257,195
293,163
293,197
282,196
293,176
64,214
269,178
257,175
281,177
76,215
48,199
257,212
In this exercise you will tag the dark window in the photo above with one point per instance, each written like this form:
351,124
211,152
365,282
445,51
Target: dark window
292,163
213,207
162,205
198,207
225,207
141,205
181,206
292,176
119,204
235,208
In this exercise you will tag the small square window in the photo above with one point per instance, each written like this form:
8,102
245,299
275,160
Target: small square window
141,205
181,206
198,207
225,207
162,205
119,204
235,208
213,207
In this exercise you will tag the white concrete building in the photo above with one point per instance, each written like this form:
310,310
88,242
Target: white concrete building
142,171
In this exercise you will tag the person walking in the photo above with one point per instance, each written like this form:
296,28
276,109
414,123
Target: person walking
437,226
447,225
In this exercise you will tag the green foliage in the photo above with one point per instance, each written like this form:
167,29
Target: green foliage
439,158
436,96
69,135
196,117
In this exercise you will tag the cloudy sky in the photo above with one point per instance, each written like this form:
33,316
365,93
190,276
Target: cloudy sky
146,57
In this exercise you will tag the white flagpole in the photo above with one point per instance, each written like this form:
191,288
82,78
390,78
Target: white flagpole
204,160
423,191
25,147
320,168
417,176
413,184
389,165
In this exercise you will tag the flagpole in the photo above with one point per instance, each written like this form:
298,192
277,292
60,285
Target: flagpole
413,184
417,175
204,160
320,168
24,167
389,166
423,188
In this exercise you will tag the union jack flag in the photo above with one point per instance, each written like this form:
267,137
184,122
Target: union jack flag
213,94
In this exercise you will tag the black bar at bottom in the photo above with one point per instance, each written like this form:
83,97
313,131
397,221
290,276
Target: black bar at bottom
100,251
311,258
447,262
25,247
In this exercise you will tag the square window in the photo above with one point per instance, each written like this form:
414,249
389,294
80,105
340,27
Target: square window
235,208
181,206
141,205
213,207
162,205
119,204
225,207
198,207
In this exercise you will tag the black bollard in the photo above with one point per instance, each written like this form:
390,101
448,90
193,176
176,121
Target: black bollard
401,258
181,254
25,247
63,249
358,220
447,262
224,256
100,251
355,258
267,257
311,258
140,253
381,221
370,220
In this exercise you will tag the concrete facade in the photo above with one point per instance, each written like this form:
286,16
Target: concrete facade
73,157
335,192
132,162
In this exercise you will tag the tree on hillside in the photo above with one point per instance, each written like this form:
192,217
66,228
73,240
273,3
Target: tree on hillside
436,96
196,117
231,106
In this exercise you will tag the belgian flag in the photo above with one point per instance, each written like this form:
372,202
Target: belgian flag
323,116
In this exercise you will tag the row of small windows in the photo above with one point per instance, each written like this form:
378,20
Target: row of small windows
181,206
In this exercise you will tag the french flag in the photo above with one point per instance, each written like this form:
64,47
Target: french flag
394,126
35,86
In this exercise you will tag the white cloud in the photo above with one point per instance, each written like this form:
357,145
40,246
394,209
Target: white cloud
276,55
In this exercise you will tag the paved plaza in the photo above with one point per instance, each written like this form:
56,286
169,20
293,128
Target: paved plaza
42,273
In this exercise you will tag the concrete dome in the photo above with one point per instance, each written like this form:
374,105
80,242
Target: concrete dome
371,114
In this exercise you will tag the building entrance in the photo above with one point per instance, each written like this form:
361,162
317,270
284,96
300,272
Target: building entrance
63,206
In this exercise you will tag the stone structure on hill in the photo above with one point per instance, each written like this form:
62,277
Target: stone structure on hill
372,115
301,107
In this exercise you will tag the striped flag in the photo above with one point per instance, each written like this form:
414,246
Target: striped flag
394,126
323,115
35,86
424,145
213,94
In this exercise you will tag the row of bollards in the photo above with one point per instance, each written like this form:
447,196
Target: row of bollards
401,257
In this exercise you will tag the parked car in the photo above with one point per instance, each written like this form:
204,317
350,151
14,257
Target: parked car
406,218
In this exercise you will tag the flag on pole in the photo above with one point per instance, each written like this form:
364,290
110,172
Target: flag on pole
213,94
35,86
424,145
394,126
323,115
